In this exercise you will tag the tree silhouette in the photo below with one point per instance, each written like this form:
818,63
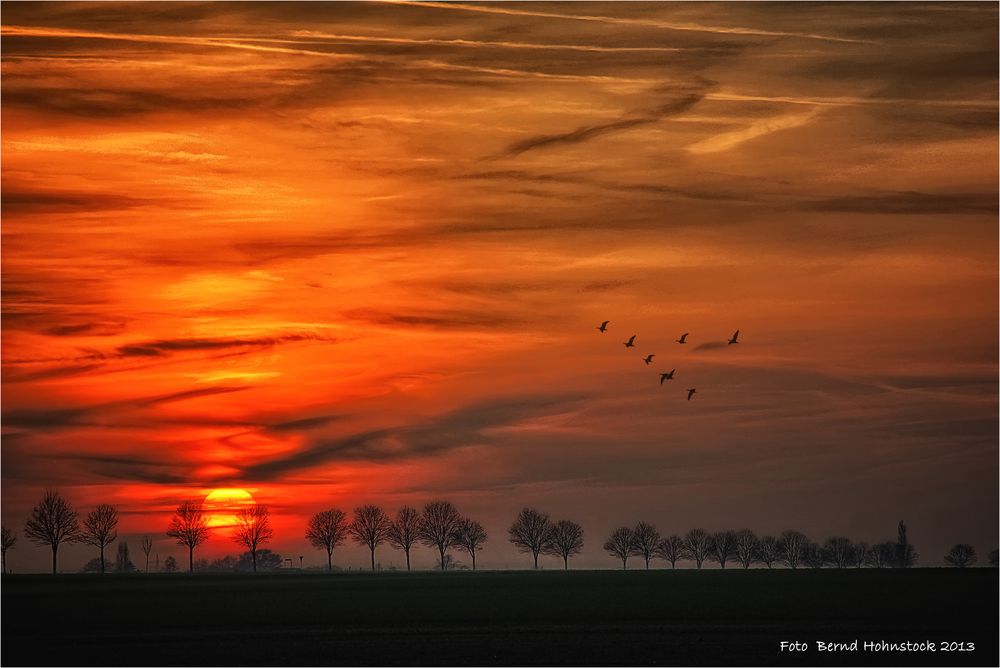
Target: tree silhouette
405,531
906,555
253,529
645,540
793,544
530,532
52,523
881,555
621,544
859,556
437,527
122,562
769,551
7,540
147,547
994,558
189,526
100,528
671,549
169,565
565,541
697,544
327,530
747,547
723,546
813,555
840,551
370,527
264,560
961,555
470,535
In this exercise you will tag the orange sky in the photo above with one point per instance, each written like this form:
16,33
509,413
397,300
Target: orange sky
347,253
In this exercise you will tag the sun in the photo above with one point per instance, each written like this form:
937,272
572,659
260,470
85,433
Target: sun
221,505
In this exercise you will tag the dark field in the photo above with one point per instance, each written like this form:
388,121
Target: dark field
659,617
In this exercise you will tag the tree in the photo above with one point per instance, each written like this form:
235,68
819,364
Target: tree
404,531
994,557
169,565
530,532
437,527
793,543
147,547
906,555
621,544
747,547
768,551
122,562
264,560
370,527
859,557
7,540
190,527
645,540
697,543
671,549
814,556
723,546
253,529
840,551
327,530
52,523
961,555
565,541
881,555
100,528
470,535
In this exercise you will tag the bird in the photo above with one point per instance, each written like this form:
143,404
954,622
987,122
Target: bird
733,340
683,336
631,342
669,375
648,358
691,392
604,326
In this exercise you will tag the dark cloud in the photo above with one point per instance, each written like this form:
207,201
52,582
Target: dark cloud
909,203
304,424
40,201
167,346
436,319
711,345
87,329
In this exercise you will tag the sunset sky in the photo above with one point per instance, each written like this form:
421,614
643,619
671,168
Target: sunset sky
336,254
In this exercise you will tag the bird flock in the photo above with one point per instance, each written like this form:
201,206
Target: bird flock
648,359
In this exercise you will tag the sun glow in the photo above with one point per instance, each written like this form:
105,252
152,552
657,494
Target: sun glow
221,505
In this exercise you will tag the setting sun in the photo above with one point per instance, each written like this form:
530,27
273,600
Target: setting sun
221,505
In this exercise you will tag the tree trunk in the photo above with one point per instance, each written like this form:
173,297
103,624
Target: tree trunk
565,562
329,560
147,562
373,560
190,559
441,550
536,560
55,548
407,559
624,563
647,563
253,555
102,560
473,560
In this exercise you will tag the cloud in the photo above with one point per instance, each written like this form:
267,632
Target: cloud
711,345
167,346
909,202
16,201
436,319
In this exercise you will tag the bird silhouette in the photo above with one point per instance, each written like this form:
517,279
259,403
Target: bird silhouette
683,336
604,326
631,342
648,358
669,375
691,393
733,340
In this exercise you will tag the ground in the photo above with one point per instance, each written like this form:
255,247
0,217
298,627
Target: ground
658,617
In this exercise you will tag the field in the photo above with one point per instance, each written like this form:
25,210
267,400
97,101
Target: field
658,617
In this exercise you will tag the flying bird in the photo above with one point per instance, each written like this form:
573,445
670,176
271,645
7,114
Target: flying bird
683,336
691,393
669,375
648,358
604,326
631,342
733,340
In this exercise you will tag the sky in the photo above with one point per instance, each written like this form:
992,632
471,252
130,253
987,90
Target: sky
335,254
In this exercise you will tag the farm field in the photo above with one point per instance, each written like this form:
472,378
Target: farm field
658,617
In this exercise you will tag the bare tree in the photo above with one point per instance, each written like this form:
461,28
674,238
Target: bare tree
859,557
169,565
769,551
52,523
405,531
697,544
530,532
470,535
645,540
621,544
747,547
671,549
723,546
565,541
906,555
147,547
814,556
881,555
123,564
7,540
437,527
253,529
370,527
100,528
189,526
327,530
961,555
792,545
840,551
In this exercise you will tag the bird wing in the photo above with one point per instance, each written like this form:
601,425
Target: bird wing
631,338
736,334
